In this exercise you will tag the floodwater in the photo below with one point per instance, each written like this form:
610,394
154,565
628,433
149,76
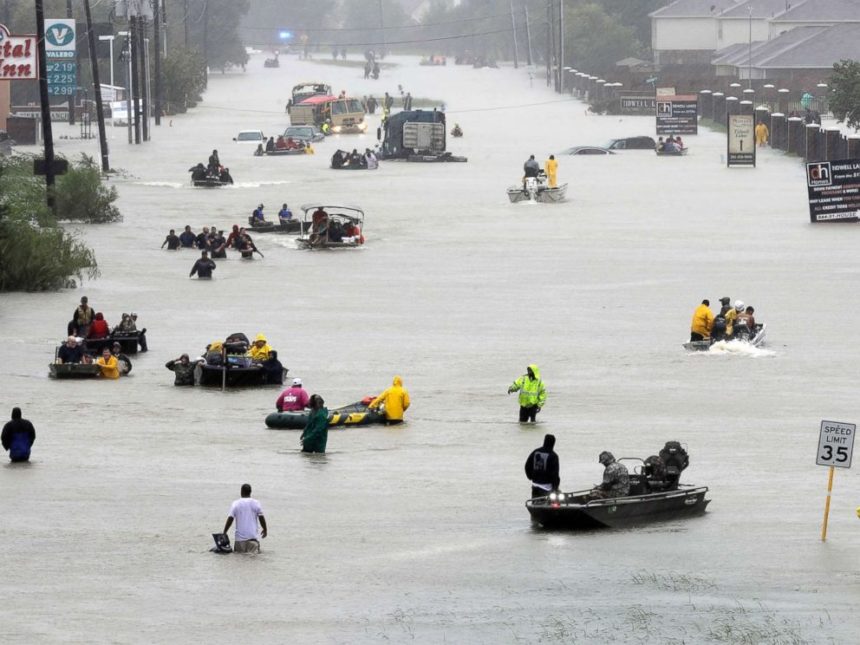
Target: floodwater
419,533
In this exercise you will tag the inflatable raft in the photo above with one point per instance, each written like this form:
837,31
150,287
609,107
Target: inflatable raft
355,414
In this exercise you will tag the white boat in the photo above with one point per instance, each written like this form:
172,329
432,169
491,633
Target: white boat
755,339
535,189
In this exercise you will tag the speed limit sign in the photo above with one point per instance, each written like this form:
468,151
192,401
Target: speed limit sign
835,444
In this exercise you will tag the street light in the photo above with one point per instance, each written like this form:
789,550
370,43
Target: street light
110,39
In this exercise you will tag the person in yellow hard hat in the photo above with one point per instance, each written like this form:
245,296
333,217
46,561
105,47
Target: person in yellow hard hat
260,349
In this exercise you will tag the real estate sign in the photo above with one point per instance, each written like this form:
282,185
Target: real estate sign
834,190
18,57
740,131
677,114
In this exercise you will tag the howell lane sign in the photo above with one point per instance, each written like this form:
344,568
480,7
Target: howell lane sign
18,60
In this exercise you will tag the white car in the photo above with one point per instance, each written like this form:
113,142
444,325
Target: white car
252,137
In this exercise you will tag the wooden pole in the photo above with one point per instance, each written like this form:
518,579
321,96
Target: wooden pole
100,113
156,34
74,96
47,131
528,35
827,504
514,32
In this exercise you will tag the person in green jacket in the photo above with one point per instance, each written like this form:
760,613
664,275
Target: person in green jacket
315,434
532,393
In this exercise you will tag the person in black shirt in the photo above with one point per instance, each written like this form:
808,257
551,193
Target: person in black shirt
18,437
203,267
171,241
71,352
542,468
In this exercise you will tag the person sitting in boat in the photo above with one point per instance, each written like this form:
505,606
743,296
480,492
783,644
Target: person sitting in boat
294,399
661,145
171,241
128,325
370,159
745,322
678,142
616,479
203,267
703,321
183,369
670,146
270,144
187,239
350,230
257,217
99,328
108,364
654,471
259,350
280,143
319,221
259,152
225,177
338,159
356,160
285,214
292,144
71,352
457,131
542,468
198,172
335,231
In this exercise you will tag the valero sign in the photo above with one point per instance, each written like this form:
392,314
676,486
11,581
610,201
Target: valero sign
18,60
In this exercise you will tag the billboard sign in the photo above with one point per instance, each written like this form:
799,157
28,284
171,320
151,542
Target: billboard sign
677,114
741,140
18,57
833,189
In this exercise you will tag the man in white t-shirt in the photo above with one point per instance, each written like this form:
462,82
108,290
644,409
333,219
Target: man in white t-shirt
246,511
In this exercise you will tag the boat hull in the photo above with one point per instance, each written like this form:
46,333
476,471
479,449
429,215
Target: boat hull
678,153
208,183
127,342
254,376
356,414
284,153
73,370
544,195
293,226
705,345
618,512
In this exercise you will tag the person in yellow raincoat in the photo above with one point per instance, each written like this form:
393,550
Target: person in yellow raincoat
260,349
108,363
550,166
532,393
761,134
703,321
396,401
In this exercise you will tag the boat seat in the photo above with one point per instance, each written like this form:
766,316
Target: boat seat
639,485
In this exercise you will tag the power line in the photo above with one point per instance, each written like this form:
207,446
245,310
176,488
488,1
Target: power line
395,28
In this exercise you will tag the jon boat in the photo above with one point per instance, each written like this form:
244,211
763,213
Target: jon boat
236,369
73,370
536,190
285,152
755,339
672,153
292,226
354,414
128,342
209,182
343,215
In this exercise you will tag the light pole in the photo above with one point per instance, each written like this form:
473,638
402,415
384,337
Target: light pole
110,40
749,57
126,51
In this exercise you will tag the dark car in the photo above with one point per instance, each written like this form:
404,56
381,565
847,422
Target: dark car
304,133
586,150
632,143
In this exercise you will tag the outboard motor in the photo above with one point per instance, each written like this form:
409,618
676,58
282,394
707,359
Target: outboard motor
531,188
742,330
718,331
675,460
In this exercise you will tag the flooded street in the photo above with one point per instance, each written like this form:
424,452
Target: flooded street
419,532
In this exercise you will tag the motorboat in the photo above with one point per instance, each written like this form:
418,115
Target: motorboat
73,370
281,226
342,160
755,338
536,189
128,342
354,414
286,152
209,182
671,153
230,367
331,227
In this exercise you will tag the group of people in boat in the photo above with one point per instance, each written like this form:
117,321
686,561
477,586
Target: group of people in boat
258,217
282,143
212,171
733,321
670,144
332,229
212,241
234,351
532,169
355,159
86,323
659,472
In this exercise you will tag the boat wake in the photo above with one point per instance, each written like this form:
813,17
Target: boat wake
736,348
258,184
160,184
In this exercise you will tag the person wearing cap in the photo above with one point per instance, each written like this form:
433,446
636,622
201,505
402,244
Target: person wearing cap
294,399
183,369
285,214
542,468
82,318
71,352
395,401
123,361
616,480
260,349
703,322
257,216
532,395
246,511
18,437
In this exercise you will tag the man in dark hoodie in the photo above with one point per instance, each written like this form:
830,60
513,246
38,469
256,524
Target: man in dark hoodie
542,468
18,437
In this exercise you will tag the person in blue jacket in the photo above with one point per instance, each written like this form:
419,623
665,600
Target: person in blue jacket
18,437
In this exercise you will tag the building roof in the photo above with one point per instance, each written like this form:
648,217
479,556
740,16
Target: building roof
693,9
760,9
821,11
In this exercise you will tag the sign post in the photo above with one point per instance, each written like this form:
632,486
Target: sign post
677,114
740,140
832,188
835,448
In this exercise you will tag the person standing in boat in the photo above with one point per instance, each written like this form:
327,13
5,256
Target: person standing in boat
18,437
246,511
396,402
531,168
542,468
82,318
294,399
703,322
616,479
551,169
203,267
315,435
532,393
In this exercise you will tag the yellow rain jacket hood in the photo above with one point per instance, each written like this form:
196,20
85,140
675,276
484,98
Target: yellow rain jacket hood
532,390
703,320
395,399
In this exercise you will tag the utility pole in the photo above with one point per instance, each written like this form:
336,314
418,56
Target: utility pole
561,46
528,34
514,30
73,98
206,41
156,37
185,22
97,87
382,29
47,132
135,78
550,44
143,48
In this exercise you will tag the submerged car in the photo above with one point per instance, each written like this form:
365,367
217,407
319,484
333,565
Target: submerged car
304,133
586,150
253,137
631,143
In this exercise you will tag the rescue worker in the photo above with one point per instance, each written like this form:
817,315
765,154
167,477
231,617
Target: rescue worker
616,481
532,393
108,364
542,468
123,361
761,134
259,350
83,317
396,402
531,168
183,369
18,437
294,399
731,317
551,168
315,434
326,127
258,216
703,321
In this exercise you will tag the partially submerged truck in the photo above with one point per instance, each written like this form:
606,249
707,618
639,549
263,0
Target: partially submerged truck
415,135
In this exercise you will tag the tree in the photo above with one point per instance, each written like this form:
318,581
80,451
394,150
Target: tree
845,92
595,41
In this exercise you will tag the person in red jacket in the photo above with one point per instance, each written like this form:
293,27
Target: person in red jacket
294,398
99,328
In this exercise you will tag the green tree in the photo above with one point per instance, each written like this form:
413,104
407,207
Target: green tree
184,79
845,92
595,40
